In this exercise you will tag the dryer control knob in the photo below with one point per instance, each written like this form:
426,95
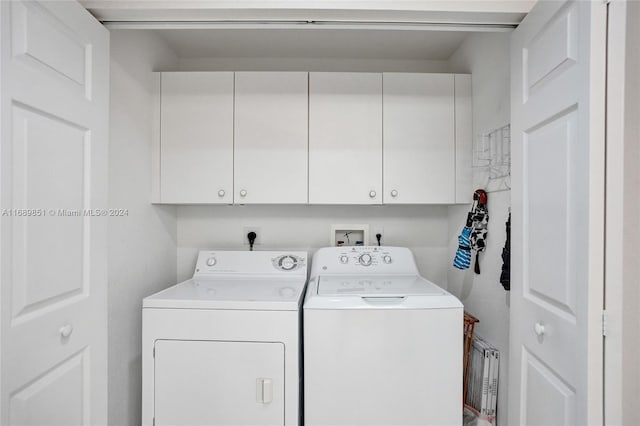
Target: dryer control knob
287,263
365,259
386,258
211,261
344,259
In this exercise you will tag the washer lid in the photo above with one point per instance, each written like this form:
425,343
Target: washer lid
377,286
230,293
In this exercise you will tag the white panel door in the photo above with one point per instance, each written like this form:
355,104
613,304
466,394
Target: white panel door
558,60
196,137
54,94
419,138
271,137
201,383
345,138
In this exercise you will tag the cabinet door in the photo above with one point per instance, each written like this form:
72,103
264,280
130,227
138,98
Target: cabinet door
218,383
271,137
419,138
196,142
345,138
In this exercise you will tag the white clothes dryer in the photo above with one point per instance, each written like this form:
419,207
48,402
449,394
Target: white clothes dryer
223,348
382,345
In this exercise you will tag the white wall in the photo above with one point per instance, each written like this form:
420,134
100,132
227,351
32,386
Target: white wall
142,245
486,57
422,228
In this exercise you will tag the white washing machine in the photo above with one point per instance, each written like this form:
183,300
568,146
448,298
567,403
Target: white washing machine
223,348
382,345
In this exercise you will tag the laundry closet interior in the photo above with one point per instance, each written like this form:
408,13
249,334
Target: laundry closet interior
369,57
199,155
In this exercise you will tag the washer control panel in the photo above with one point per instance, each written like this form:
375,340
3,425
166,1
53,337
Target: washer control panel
364,259
373,256
213,263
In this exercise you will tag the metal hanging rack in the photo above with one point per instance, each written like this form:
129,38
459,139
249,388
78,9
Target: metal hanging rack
492,159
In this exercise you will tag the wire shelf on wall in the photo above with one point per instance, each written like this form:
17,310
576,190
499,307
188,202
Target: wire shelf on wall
492,159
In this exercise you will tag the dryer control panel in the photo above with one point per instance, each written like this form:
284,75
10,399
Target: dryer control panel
364,259
264,263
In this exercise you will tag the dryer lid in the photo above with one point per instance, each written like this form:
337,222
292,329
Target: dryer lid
377,286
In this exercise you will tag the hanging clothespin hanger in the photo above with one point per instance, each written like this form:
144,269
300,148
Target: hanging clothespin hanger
480,196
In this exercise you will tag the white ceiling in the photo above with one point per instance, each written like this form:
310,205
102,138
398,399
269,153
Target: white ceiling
313,43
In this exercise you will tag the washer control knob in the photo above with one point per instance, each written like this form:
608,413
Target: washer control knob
365,259
344,259
211,261
287,263
386,258
221,193
372,194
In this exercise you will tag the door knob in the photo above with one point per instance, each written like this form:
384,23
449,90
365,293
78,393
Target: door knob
372,194
221,193
539,328
66,330
243,193
394,193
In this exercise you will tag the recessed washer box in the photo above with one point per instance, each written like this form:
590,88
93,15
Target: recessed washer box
349,235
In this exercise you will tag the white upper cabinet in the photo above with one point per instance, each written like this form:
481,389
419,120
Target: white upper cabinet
419,138
196,137
317,138
271,137
345,138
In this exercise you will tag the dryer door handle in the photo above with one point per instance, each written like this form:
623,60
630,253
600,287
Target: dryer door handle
264,391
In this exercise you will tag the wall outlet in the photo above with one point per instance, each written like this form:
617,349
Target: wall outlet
376,231
246,230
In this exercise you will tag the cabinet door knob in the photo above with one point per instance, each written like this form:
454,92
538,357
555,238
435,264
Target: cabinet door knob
66,330
539,328
394,193
221,193
243,193
372,194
